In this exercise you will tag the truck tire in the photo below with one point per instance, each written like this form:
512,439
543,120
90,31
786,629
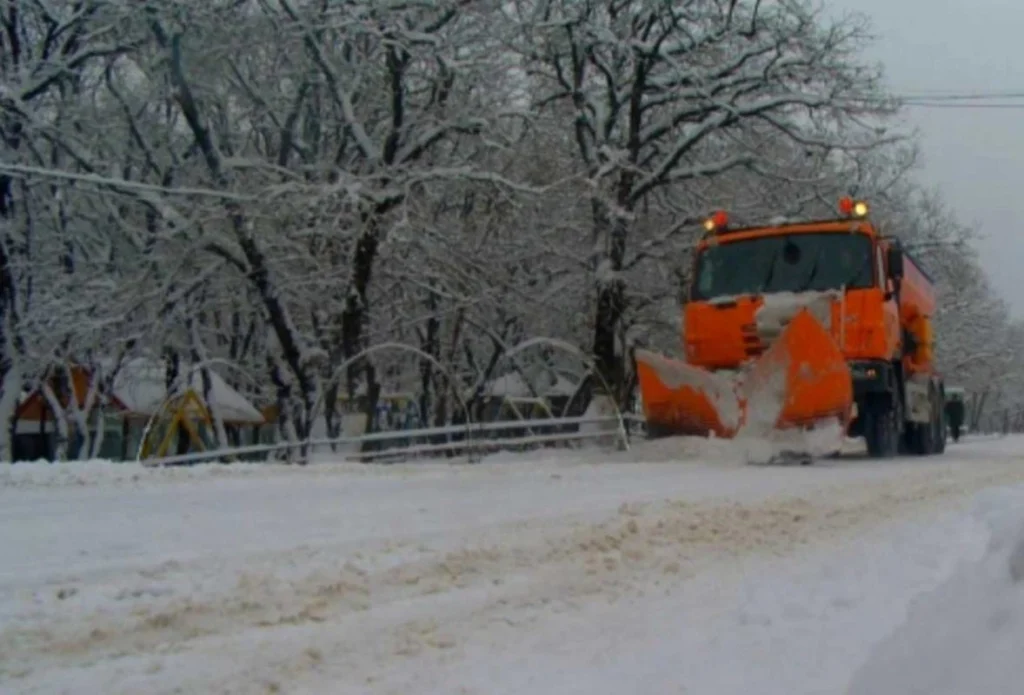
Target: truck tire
881,429
928,439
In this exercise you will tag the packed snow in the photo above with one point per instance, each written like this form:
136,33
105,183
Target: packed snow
778,309
674,567
966,635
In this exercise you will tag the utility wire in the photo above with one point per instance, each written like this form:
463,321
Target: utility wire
958,96
962,100
941,105
950,100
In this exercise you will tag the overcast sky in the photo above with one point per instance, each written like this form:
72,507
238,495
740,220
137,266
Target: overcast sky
976,156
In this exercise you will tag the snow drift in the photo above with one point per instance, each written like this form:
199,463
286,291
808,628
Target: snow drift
966,636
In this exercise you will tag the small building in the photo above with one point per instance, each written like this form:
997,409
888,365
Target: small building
138,408
35,425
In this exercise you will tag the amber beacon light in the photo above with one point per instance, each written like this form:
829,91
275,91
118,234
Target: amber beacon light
853,208
716,222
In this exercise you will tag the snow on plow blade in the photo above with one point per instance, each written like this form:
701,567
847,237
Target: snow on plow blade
681,399
800,380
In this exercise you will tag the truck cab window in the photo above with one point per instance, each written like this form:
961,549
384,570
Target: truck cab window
790,263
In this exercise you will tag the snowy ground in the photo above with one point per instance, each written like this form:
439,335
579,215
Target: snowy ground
675,568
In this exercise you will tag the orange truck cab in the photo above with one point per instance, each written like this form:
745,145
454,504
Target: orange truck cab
865,359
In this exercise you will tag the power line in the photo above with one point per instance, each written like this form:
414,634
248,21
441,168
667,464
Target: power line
958,96
953,100
946,105
997,100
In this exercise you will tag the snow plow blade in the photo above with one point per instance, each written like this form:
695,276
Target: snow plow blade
681,399
800,380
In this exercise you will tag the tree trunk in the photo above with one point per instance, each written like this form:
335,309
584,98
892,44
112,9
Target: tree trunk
354,321
10,391
173,385
332,417
609,349
219,432
430,344
284,402
60,423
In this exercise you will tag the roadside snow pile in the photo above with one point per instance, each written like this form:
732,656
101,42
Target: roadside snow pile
718,453
966,636
102,472
744,449
827,438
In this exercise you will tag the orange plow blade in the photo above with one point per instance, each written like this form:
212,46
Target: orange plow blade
682,399
800,380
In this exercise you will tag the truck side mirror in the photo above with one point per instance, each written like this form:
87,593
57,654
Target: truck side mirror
895,262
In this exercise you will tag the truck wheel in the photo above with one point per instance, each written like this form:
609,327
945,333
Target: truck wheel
881,429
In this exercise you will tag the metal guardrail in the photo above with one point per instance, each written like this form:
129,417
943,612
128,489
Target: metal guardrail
471,439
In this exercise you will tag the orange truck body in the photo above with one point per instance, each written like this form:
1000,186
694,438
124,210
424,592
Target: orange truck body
839,352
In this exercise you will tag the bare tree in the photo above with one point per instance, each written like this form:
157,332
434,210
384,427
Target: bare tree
664,96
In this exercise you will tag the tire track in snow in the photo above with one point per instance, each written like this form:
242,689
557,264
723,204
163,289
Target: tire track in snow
340,603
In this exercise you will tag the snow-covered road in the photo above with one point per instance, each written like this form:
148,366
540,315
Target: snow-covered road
675,568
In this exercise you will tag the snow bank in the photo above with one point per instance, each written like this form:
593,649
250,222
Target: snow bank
966,636
103,472
719,453
827,438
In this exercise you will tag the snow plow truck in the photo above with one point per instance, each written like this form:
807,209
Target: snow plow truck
791,325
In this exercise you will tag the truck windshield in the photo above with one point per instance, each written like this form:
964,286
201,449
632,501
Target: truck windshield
785,263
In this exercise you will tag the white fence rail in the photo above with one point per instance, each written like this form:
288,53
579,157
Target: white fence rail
473,440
